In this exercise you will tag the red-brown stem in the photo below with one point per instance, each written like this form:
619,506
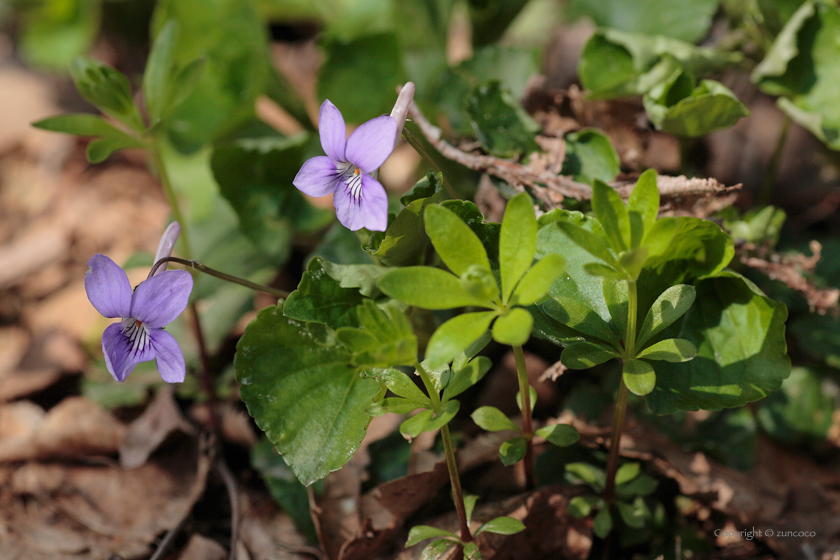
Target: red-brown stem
615,442
206,377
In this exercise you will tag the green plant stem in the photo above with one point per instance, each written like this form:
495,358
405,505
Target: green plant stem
451,461
195,265
206,377
418,147
527,424
623,391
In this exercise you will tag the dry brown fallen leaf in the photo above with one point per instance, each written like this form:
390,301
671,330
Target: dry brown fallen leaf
202,548
91,512
74,428
161,419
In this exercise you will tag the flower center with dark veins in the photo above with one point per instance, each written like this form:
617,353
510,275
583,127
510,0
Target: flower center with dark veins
136,333
354,183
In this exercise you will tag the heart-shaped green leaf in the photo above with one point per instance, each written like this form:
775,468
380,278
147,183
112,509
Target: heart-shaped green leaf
307,397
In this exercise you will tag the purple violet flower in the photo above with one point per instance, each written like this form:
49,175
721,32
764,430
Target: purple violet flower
360,200
155,303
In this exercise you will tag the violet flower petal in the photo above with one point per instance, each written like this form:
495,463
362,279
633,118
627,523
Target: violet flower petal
317,177
160,299
107,287
170,359
374,204
369,210
119,352
371,144
332,130
167,244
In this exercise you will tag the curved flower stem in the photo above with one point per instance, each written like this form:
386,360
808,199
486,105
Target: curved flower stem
527,424
451,462
195,265
623,391
206,377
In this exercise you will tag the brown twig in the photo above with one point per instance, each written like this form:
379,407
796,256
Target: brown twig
233,496
788,270
550,187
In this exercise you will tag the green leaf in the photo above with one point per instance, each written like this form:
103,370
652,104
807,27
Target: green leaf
602,524
537,281
626,473
688,20
422,532
230,37
106,88
492,419
455,336
533,398
800,412
643,206
469,506
502,526
517,242
709,107
397,405
561,435
604,271
454,241
52,34
617,297
639,486
584,355
400,384
668,307
669,350
427,420
360,276
499,121
437,549
321,299
156,78
513,450
634,514
616,63
405,242
725,374
378,58
757,225
590,155
639,377
465,377
427,288
100,150
587,240
611,212
471,551
490,19
84,124
255,176
385,340
514,327
581,506
583,472
803,65
306,397
286,490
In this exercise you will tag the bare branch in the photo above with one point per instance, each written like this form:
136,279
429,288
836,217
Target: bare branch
550,187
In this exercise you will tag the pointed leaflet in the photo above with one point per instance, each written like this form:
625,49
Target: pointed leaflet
667,308
643,206
584,355
538,280
517,242
427,288
454,241
156,78
592,243
611,212
465,377
739,334
423,532
307,398
455,336
669,350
